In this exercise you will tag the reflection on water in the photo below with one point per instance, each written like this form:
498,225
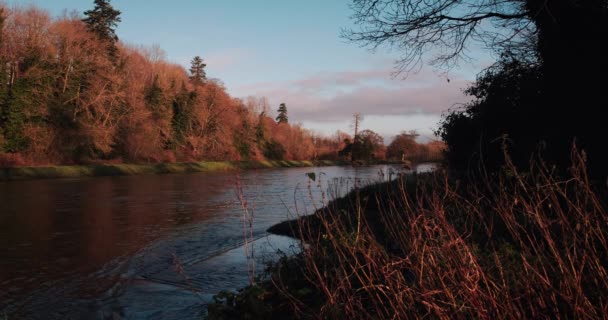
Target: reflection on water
144,246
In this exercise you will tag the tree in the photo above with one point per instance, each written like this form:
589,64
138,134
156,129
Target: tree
183,115
102,21
197,71
154,97
565,39
357,118
368,145
446,28
403,146
502,114
282,117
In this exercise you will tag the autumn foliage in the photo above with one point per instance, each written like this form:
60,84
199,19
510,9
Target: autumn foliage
405,147
64,99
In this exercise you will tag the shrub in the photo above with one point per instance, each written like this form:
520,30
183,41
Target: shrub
8,160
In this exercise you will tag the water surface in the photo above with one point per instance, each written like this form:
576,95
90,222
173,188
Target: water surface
147,247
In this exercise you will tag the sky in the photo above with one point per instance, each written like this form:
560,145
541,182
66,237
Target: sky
291,52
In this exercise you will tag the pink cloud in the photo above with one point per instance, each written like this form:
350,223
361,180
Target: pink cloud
336,96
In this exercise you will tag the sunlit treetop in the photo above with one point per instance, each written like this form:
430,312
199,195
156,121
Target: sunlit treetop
103,20
197,70
282,116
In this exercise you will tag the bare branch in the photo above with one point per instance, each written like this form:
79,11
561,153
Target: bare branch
441,29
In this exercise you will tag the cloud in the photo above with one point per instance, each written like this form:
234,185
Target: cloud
336,96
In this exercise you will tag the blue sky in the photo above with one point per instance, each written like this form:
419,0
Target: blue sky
290,51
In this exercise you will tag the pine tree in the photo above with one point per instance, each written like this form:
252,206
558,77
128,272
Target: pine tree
282,117
102,21
14,117
183,115
154,96
197,70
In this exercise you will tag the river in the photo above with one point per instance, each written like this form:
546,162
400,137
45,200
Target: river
148,247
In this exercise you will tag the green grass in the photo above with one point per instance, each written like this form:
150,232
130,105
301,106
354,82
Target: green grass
55,172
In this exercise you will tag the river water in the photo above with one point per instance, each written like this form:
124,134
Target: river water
149,247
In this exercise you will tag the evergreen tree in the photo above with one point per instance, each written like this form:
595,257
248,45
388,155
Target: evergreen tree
102,21
155,97
282,117
13,116
197,70
183,116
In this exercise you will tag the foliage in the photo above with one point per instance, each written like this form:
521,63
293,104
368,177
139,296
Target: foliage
273,150
64,100
503,115
102,21
182,114
197,70
12,121
282,116
557,47
403,146
369,145
366,146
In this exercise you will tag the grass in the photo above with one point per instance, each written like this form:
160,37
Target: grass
507,246
54,172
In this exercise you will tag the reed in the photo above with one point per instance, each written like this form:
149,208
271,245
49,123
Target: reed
508,246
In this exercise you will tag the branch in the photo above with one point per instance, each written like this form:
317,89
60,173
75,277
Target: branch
485,16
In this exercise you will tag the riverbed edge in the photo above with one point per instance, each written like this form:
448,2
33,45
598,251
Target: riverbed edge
99,170
124,169
263,299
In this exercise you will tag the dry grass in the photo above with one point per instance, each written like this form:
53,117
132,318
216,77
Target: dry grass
515,246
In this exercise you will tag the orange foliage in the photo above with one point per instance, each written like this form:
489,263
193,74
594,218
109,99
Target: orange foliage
76,104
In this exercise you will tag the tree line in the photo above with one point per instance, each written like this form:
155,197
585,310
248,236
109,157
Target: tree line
71,92
368,146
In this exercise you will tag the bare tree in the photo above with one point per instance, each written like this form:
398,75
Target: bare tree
357,118
443,29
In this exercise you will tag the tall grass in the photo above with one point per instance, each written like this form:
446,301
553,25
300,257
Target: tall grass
512,246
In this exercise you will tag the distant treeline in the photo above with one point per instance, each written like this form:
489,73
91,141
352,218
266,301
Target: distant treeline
70,92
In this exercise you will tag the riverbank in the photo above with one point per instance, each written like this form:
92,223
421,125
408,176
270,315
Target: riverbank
529,246
76,171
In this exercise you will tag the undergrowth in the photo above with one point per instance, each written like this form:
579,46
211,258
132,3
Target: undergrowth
511,246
